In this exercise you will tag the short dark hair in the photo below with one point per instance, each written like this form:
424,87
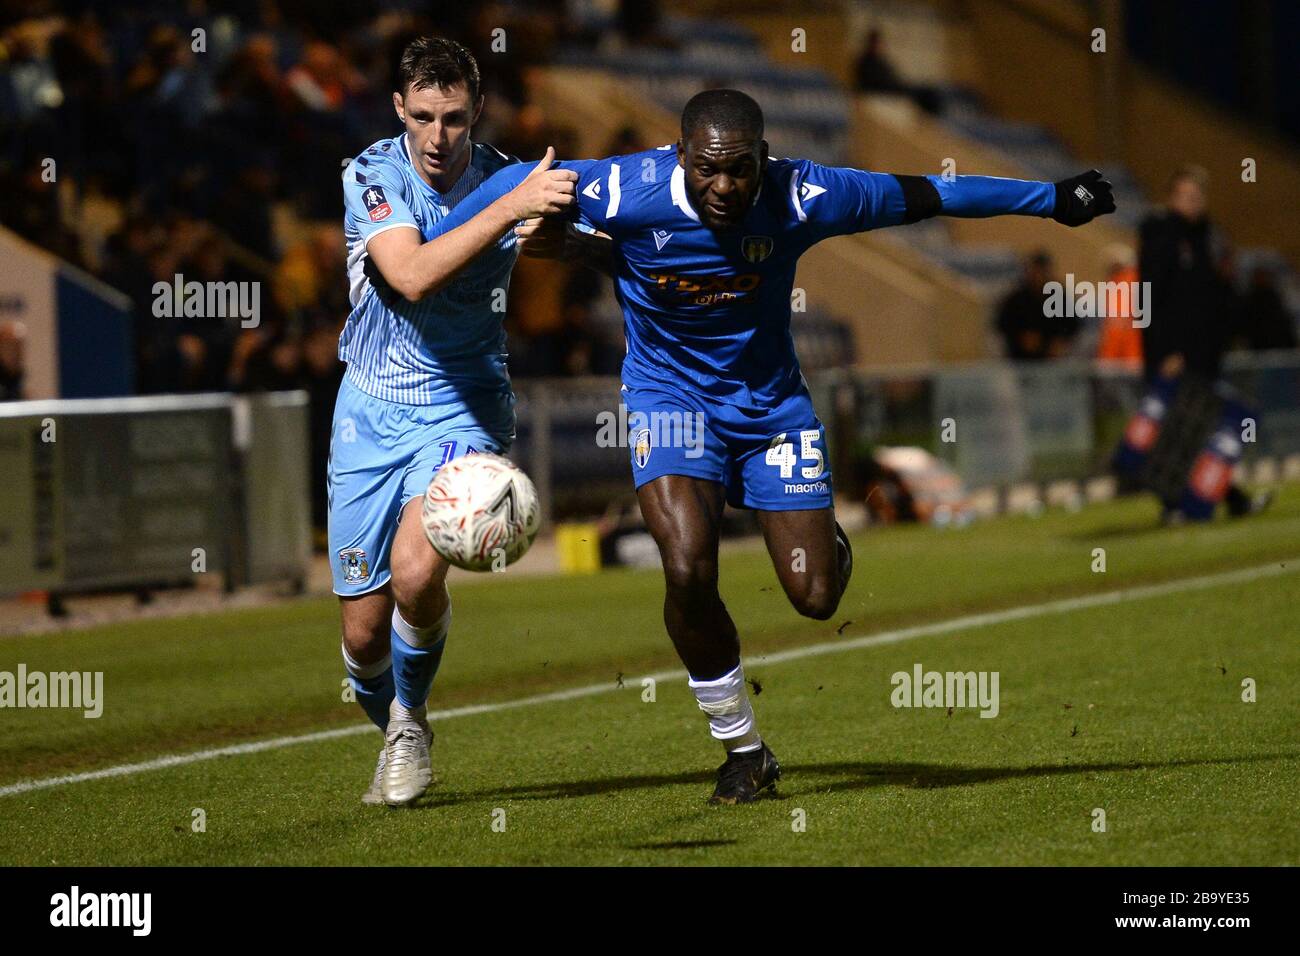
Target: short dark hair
722,109
432,61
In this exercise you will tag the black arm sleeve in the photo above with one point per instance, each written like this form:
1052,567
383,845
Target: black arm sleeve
920,198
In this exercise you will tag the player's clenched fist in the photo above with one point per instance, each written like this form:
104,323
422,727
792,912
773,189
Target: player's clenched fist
1080,199
546,191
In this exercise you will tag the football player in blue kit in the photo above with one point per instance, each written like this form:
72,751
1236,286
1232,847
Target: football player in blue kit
706,236
426,382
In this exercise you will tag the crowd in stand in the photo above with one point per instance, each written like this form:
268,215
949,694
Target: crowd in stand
142,140
184,136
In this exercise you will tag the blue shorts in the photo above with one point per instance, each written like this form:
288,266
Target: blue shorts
767,459
383,454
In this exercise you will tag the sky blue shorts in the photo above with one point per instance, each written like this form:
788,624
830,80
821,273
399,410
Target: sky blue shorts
769,460
383,454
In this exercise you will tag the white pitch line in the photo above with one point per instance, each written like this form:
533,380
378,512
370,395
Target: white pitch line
949,626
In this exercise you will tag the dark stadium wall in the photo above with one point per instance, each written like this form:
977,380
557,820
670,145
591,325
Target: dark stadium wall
880,141
78,330
1016,54
96,359
1015,44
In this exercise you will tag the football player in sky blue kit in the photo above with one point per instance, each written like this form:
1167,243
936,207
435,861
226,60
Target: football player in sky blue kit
705,240
426,382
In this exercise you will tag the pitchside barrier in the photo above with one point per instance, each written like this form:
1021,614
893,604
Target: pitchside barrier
136,493
154,491
998,424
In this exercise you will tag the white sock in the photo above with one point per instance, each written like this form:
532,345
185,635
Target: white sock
366,671
422,636
731,718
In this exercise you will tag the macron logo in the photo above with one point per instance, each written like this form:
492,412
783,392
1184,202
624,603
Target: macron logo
809,191
661,238
592,191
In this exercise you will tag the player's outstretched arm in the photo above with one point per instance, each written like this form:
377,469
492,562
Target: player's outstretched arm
1072,202
834,201
415,268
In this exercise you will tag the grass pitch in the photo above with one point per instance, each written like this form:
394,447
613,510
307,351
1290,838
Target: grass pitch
1133,707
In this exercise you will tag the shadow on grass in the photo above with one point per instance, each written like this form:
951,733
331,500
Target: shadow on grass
573,788
681,844
919,776
836,777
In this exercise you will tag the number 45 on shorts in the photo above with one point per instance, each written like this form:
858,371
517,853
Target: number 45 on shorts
780,454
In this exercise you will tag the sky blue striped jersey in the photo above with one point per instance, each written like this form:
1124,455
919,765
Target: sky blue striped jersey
448,348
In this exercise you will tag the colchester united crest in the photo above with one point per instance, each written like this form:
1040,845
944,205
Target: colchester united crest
641,447
356,568
756,248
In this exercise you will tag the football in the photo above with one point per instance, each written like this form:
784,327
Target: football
481,512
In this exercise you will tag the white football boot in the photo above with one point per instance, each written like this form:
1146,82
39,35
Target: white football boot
407,770
374,796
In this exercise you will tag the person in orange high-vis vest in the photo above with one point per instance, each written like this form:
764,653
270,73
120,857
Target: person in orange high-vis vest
1120,342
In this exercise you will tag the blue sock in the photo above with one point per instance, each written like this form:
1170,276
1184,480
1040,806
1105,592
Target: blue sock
373,686
417,652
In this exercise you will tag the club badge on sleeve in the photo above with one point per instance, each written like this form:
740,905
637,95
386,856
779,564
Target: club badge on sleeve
376,203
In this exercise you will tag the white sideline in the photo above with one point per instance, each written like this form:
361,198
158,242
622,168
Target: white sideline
1176,586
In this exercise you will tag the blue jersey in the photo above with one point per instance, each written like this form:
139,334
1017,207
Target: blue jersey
448,348
709,312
